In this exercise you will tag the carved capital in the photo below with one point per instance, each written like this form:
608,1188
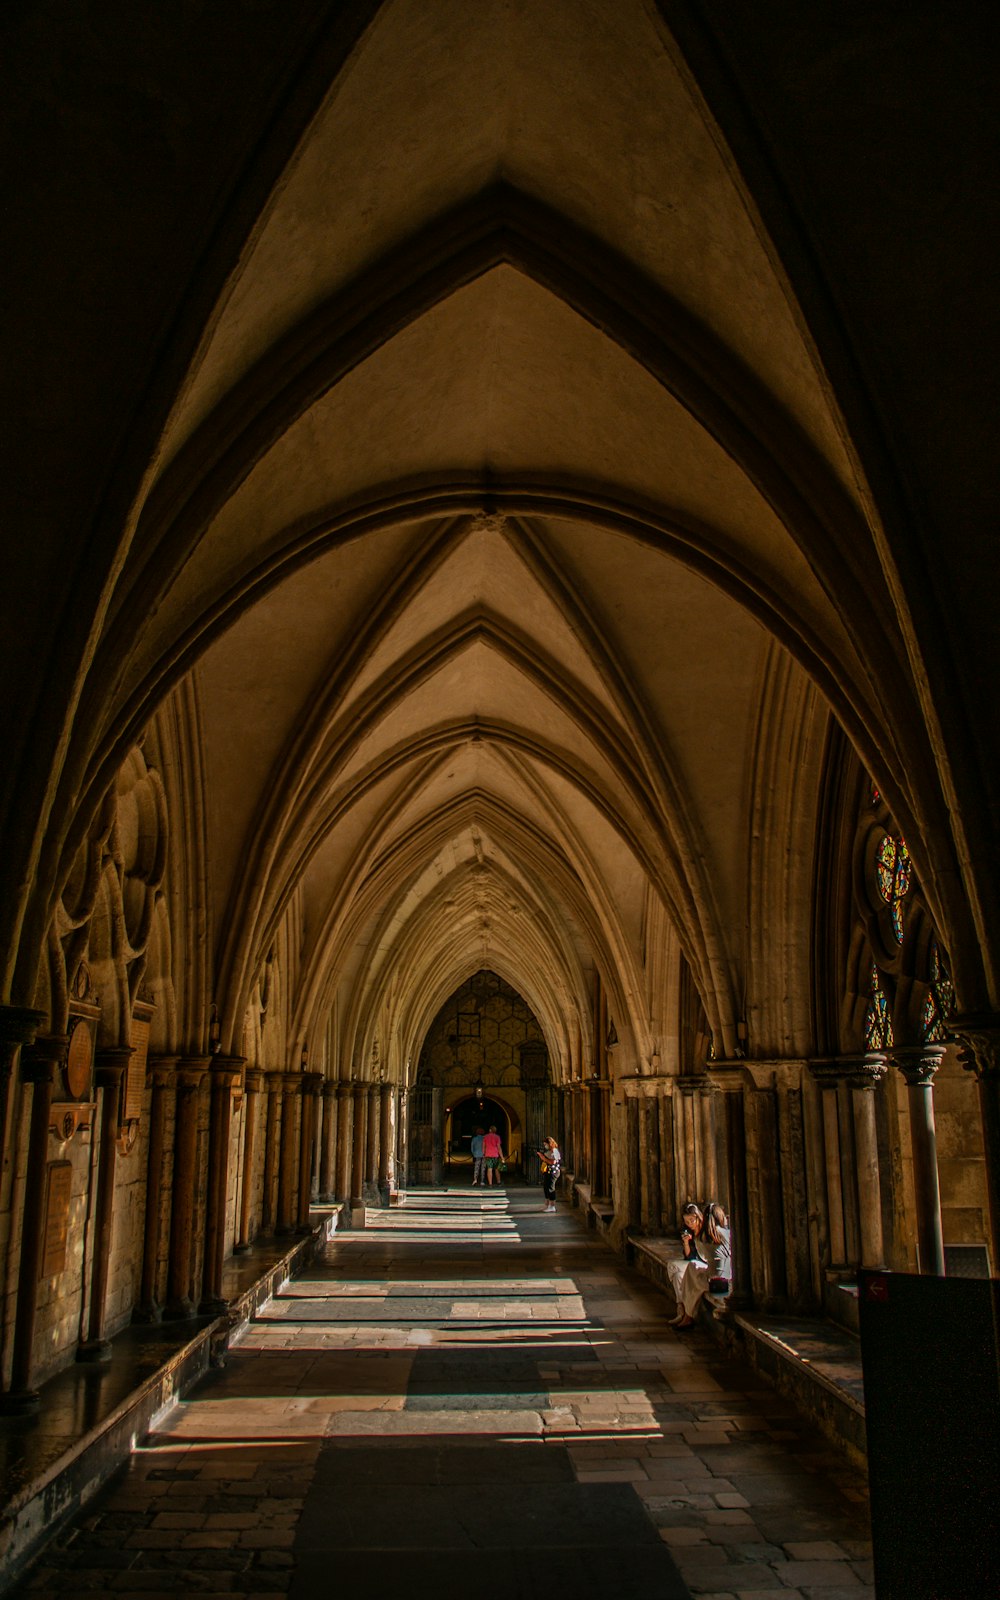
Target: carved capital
865,1071
18,1025
917,1062
858,1072
978,1037
344,1089
253,1079
41,1058
160,1071
191,1073
731,1077
227,1071
110,1066
312,1084
330,1089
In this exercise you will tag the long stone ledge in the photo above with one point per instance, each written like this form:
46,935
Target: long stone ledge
55,1460
814,1363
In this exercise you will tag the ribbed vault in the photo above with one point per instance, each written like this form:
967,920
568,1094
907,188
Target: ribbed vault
494,493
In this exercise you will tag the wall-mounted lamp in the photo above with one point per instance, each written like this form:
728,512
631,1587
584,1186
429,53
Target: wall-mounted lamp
304,1059
214,1032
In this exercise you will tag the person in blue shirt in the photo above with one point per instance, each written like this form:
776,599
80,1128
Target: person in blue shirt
478,1165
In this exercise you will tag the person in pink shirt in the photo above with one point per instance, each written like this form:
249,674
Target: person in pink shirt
492,1155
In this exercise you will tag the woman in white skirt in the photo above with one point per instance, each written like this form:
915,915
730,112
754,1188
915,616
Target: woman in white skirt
688,1277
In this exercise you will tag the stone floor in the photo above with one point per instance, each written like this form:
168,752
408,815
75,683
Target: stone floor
472,1396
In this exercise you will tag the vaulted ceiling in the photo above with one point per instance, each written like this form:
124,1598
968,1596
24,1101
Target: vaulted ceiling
504,473
507,448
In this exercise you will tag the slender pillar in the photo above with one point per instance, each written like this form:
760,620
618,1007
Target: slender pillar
225,1075
402,1138
272,1153
253,1085
189,1079
437,1134
288,1190
731,1078
863,1076
328,1152
631,1199
918,1064
360,1102
312,1088
385,1162
18,1026
372,1136
38,1066
979,1038
345,1132
705,1112
111,1066
828,1074
160,1074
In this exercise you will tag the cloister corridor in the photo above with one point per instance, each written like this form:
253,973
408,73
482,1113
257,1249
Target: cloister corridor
472,1397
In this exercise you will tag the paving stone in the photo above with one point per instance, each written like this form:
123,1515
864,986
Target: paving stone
520,1395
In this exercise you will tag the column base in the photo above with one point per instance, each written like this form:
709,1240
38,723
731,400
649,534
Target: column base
213,1306
147,1315
178,1311
94,1350
19,1402
241,1248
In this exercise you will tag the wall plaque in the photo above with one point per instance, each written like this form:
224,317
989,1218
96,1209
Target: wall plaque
135,1076
59,1188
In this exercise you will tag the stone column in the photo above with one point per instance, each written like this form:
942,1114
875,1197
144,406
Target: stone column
110,1069
372,1138
272,1153
328,1157
979,1038
38,1065
437,1135
687,1125
360,1102
863,1074
160,1074
253,1084
18,1026
630,1208
402,1139
650,1155
827,1073
288,1190
730,1077
579,1135
706,1118
189,1080
225,1075
345,1129
386,1165
918,1064
312,1088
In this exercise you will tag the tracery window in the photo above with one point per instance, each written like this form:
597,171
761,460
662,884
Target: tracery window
898,991
878,1021
892,870
940,1000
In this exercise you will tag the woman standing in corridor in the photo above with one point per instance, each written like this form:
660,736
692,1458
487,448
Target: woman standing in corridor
551,1159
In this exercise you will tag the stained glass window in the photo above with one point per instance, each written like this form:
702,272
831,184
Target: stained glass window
940,1000
878,1023
892,871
